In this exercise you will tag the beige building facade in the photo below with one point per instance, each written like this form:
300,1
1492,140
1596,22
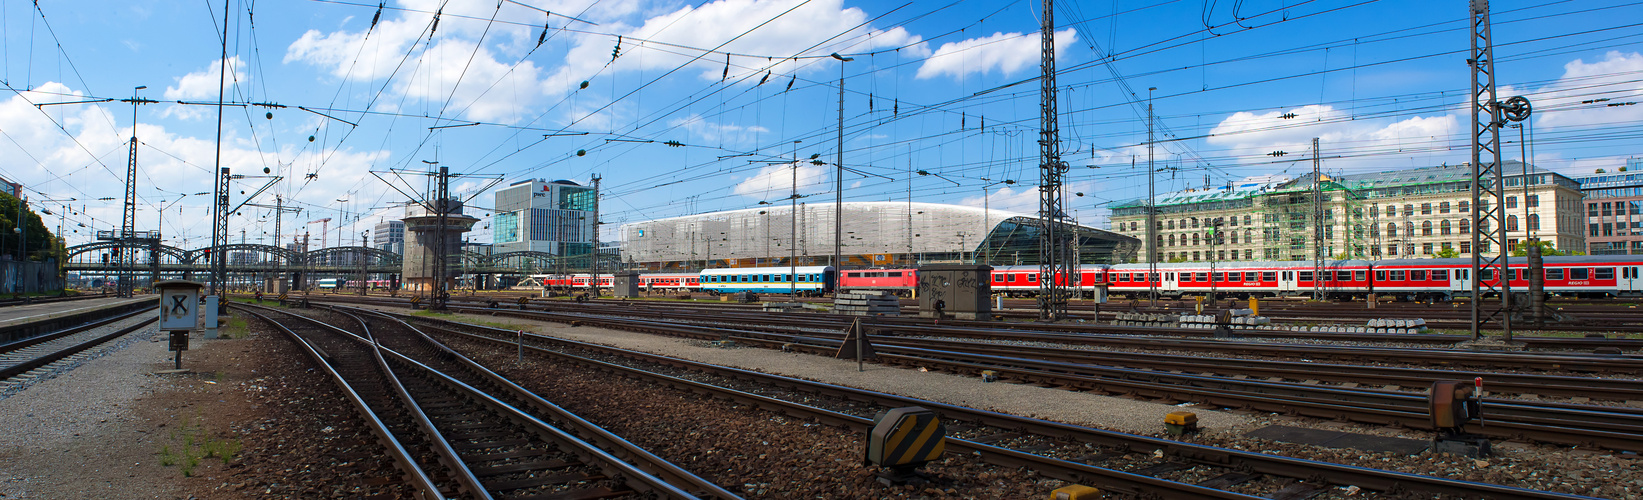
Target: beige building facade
1416,213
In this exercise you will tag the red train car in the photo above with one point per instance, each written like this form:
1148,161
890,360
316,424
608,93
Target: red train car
901,282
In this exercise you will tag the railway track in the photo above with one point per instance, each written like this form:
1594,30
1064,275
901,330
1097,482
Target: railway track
453,437
1618,428
1121,463
1531,342
1089,337
38,352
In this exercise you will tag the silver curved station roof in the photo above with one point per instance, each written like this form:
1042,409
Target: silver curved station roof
872,230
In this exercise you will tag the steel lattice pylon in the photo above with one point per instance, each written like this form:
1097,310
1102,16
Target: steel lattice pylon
128,218
1052,248
219,234
1489,274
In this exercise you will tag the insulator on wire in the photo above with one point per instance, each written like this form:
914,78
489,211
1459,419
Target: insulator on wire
790,83
616,52
377,16
765,79
435,27
726,74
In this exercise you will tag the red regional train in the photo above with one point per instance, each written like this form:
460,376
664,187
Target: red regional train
1585,276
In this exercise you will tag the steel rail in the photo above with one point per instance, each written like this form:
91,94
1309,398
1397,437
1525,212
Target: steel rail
629,452
66,351
1382,408
1505,360
408,466
1373,479
1497,382
1118,330
38,339
457,469
614,467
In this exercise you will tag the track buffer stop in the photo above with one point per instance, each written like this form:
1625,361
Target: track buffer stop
904,439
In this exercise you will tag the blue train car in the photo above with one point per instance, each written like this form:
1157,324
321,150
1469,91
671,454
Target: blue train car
811,280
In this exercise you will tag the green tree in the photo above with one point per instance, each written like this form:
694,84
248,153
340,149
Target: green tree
1447,253
1546,249
39,244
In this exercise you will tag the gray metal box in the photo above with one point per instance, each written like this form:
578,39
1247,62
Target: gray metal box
626,284
962,291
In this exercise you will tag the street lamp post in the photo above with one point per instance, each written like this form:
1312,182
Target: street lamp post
838,175
793,229
1152,212
986,216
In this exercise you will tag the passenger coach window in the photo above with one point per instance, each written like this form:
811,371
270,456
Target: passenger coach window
1357,275
1032,277
1380,275
896,274
1397,275
998,278
1554,274
1200,277
1417,275
1343,275
1269,276
1123,277
1578,273
1440,275
1605,273
1305,276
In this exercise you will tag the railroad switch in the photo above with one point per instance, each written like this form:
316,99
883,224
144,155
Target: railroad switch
1451,404
989,375
902,440
1075,492
1181,422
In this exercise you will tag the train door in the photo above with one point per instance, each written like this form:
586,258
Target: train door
1462,279
1286,281
1628,282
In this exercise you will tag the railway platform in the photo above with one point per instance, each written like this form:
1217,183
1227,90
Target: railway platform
26,313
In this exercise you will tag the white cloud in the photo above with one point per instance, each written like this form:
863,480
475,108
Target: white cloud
169,163
717,133
1614,77
715,23
1024,199
775,182
203,84
485,89
1250,135
1005,52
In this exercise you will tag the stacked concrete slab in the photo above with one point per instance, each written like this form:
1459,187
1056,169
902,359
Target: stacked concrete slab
866,304
1147,319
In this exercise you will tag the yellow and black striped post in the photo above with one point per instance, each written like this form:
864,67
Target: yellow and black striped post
903,439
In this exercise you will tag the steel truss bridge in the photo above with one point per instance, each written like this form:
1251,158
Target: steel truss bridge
251,261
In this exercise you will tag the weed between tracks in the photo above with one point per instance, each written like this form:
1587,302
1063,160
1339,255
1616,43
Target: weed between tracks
195,444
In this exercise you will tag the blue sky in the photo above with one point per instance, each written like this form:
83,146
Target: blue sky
941,87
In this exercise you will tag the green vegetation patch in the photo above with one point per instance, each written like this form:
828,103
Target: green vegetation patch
189,444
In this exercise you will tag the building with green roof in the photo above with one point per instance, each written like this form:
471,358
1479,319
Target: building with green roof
1415,213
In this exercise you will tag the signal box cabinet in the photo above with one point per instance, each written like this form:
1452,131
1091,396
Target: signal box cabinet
960,291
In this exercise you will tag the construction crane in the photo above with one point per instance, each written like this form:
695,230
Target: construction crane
324,225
